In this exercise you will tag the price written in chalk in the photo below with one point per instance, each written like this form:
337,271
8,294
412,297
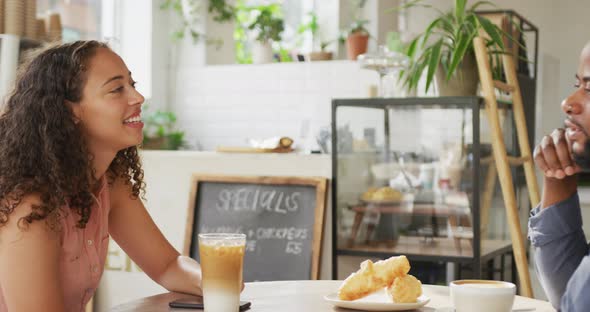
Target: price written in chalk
294,236
248,199
286,233
293,248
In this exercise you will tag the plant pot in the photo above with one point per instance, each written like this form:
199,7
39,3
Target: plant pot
161,143
463,82
319,56
356,44
261,52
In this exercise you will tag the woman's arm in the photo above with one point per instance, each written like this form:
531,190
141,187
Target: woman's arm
134,230
29,263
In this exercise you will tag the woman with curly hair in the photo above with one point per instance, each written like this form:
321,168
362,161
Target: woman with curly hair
70,176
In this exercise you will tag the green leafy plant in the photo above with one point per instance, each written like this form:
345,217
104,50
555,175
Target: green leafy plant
325,44
160,131
221,10
358,26
312,26
452,35
265,20
188,16
285,55
394,42
242,15
268,22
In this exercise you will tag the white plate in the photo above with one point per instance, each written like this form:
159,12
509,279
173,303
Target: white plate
378,301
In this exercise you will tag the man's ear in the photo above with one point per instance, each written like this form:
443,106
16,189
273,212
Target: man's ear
76,111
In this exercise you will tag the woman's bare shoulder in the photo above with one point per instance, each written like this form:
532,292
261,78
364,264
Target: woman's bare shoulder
16,225
21,242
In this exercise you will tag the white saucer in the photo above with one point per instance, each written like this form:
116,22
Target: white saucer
378,301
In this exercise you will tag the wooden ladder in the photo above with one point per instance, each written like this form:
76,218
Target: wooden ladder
502,161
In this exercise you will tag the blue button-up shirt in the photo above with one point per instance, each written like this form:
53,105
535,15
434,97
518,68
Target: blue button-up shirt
561,254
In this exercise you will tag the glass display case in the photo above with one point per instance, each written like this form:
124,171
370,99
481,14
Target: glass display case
412,176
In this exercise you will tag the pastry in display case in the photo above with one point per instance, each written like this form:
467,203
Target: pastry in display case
382,195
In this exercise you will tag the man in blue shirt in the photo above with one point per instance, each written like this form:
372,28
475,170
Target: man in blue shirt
555,226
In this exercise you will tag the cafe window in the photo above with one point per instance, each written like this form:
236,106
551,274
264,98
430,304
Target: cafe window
125,25
81,19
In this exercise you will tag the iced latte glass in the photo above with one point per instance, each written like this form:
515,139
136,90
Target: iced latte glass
222,258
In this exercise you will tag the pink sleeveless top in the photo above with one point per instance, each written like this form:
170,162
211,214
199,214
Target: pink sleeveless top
83,253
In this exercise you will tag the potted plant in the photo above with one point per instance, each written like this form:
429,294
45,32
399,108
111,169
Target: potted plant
356,36
187,12
268,26
357,40
445,49
160,133
322,54
312,26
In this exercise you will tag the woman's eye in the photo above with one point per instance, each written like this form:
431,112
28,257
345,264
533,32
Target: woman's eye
117,90
133,83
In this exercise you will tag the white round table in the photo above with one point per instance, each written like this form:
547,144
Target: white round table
309,296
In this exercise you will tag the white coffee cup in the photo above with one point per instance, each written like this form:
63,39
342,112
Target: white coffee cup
482,296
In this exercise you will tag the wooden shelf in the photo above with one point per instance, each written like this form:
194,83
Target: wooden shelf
441,247
437,210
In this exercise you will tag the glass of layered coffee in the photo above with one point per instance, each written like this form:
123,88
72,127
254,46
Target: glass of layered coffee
222,258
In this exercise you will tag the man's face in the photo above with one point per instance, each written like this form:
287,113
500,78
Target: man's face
577,108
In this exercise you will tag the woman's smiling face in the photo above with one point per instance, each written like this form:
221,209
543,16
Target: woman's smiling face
110,109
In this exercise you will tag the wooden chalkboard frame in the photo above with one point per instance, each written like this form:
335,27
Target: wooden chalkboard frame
319,183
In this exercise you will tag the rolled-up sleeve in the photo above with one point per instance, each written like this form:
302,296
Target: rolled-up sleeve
557,235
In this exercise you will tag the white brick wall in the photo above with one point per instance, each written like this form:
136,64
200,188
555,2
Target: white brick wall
227,104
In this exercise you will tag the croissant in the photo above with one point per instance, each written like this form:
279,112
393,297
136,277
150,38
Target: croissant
372,277
405,289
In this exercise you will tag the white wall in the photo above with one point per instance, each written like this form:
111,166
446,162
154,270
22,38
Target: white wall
227,104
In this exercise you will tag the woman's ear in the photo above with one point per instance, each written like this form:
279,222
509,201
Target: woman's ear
76,111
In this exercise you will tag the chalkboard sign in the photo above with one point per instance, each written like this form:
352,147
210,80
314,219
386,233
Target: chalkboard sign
282,218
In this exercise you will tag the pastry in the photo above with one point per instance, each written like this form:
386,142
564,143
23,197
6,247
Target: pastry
372,277
405,289
387,194
368,195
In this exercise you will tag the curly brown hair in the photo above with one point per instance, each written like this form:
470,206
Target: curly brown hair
42,150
